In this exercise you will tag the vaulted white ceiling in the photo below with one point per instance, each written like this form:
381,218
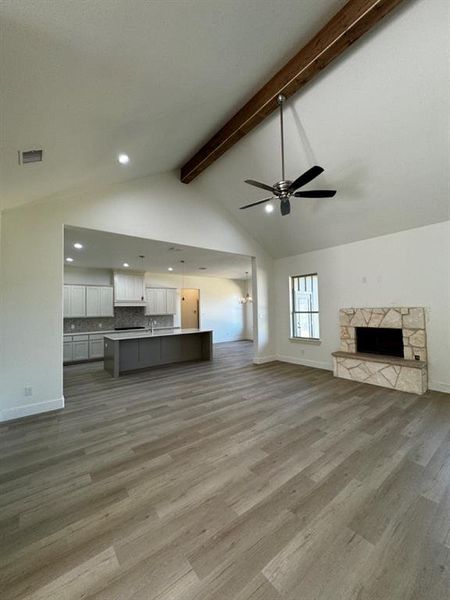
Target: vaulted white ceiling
154,80
87,80
377,121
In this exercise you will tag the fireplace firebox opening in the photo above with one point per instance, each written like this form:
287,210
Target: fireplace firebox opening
379,340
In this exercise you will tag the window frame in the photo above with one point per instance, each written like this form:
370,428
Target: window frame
293,312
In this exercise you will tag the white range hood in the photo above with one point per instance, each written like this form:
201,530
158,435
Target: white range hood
130,303
129,288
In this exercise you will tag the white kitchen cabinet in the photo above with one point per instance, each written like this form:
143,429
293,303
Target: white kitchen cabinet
80,350
106,302
128,288
99,301
93,301
68,352
171,305
67,301
161,301
96,348
74,301
83,347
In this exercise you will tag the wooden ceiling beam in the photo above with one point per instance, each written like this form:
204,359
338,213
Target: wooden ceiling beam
355,19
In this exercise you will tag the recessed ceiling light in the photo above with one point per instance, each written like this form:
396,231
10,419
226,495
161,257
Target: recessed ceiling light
69,259
126,265
124,159
269,208
78,246
170,269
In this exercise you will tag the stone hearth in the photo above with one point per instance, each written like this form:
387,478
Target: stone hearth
407,374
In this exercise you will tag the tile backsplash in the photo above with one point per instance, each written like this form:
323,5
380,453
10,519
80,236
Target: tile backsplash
125,316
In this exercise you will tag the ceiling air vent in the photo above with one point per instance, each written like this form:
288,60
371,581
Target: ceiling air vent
30,156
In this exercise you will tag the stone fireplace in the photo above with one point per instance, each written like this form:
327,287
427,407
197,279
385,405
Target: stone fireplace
383,346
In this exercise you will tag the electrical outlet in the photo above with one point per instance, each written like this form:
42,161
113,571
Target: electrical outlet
100,325
28,390
72,326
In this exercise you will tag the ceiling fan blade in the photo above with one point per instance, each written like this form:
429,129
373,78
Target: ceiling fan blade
257,184
307,176
315,194
285,207
256,203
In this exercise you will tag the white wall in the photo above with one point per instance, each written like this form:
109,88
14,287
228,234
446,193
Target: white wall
87,276
31,273
410,268
220,309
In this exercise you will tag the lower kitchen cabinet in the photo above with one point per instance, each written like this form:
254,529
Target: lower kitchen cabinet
96,348
68,352
80,347
80,350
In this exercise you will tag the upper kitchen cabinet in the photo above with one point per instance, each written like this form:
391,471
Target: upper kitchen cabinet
88,301
128,289
171,298
161,301
99,301
74,301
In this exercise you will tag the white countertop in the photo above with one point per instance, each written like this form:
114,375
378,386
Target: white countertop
133,335
103,332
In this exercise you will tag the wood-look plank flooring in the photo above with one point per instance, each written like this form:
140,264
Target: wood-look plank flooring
227,481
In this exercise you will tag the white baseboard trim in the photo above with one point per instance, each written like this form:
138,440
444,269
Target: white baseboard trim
17,412
260,360
305,362
439,386
236,339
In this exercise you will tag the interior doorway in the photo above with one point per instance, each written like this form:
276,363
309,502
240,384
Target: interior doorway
190,308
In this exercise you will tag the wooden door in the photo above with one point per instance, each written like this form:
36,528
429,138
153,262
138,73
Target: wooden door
190,306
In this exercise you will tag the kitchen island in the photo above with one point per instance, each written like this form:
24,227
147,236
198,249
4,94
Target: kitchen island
136,350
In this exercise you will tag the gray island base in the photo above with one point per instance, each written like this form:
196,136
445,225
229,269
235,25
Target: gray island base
133,351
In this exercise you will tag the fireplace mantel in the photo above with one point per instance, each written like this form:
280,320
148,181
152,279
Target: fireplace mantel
408,373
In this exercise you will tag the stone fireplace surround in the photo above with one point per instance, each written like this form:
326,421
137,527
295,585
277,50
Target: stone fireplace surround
407,374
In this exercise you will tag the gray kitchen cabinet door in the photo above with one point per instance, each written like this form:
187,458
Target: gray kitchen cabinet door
129,355
68,352
80,350
96,348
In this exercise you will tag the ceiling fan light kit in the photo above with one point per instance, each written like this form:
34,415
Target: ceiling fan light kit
286,188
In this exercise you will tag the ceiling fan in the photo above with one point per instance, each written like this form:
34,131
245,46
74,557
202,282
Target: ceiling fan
285,188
